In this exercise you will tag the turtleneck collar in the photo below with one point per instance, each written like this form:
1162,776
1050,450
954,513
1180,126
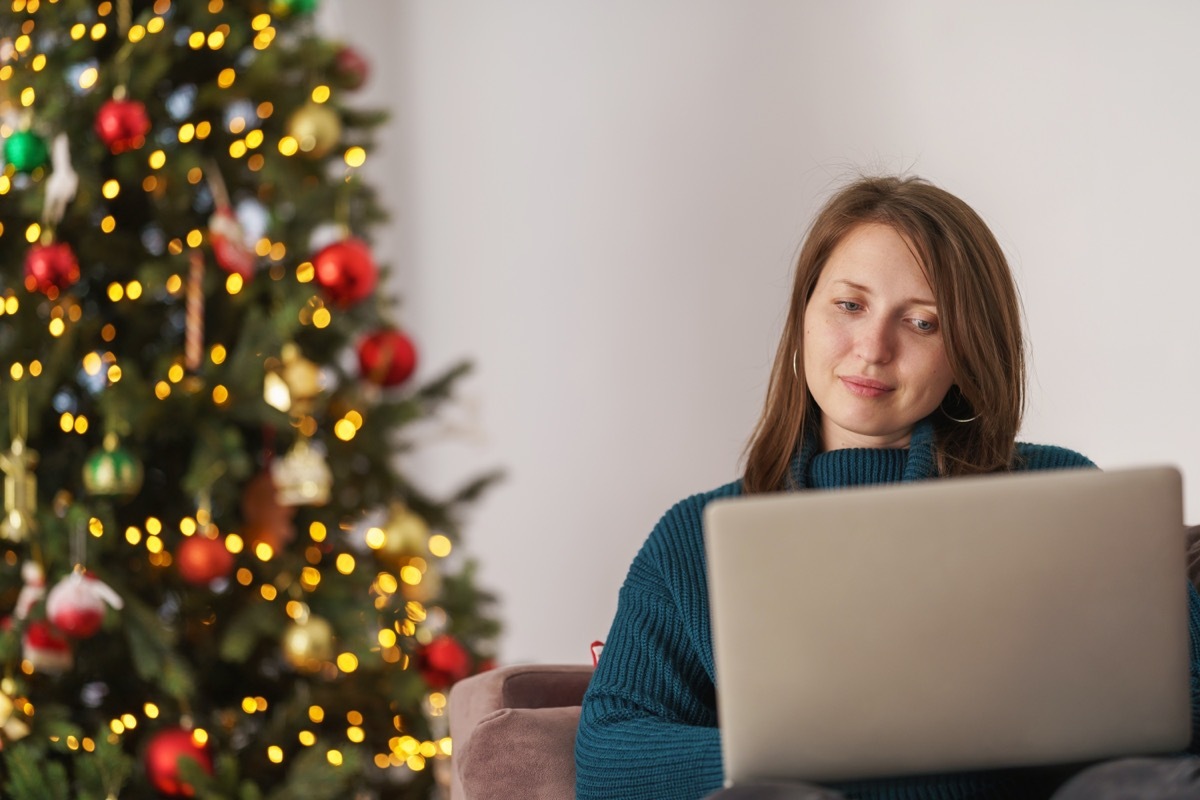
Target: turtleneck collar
811,469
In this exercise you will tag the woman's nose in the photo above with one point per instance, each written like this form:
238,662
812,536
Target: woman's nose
875,343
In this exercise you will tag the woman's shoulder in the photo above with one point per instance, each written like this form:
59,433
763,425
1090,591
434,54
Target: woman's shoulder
695,503
1048,456
691,508
682,524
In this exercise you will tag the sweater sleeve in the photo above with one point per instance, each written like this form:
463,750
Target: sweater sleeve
648,724
1194,638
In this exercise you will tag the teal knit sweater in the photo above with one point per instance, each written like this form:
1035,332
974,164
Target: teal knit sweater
649,723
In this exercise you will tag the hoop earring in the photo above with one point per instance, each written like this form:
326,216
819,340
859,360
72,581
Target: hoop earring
795,371
951,417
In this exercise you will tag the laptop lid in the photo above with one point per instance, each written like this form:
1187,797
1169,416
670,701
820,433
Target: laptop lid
978,622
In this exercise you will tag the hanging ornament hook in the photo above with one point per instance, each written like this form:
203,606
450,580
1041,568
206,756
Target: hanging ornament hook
124,21
79,546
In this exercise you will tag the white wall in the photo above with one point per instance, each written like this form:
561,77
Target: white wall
599,202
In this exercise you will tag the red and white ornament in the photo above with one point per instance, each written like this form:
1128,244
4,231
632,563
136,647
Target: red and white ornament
50,267
46,649
165,750
122,124
33,589
346,271
230,249
387,358
43,647
77,603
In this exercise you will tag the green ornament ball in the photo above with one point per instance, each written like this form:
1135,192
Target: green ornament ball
285,7
26,151
112,471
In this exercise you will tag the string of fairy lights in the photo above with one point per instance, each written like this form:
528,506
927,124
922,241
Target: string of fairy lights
252,145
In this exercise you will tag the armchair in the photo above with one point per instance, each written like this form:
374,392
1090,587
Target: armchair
513,730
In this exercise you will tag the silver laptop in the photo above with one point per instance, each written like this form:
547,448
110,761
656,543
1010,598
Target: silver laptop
979,622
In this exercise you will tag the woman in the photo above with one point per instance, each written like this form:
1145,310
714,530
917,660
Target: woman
901,360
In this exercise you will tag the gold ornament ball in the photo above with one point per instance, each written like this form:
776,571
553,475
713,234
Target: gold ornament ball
308,644
291,382
429,589
6,708
405,534
316,129
303,377
11,727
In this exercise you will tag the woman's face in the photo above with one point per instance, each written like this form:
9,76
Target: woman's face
873,354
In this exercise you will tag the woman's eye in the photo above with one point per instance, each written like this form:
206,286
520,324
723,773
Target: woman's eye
924,325
848,305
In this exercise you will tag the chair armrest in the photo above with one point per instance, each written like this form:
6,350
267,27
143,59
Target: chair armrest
525,718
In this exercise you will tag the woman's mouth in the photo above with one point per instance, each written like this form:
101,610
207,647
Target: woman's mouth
865,387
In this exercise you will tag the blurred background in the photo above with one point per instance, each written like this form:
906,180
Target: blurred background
600,203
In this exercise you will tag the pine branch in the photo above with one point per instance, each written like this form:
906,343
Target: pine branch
31,776
101,773
310,777
151,645
472,490
248,627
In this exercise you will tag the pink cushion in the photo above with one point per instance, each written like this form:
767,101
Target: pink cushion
520,752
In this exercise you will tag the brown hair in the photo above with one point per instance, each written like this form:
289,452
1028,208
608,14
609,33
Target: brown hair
980,320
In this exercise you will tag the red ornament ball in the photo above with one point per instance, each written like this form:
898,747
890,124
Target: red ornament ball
346,271
50,268
351,68
443,662
202,560
387,358
163,753
122,125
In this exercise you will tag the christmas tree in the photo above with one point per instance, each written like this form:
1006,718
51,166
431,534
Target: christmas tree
215,578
